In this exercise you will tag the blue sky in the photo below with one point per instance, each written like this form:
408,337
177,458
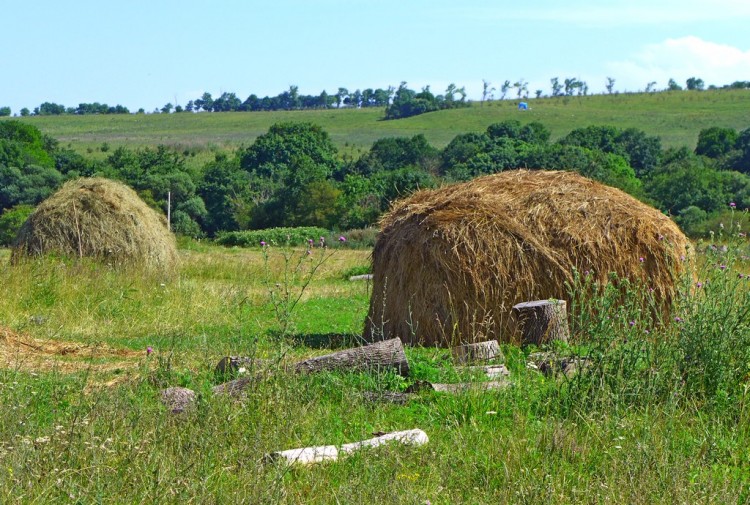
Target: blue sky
147,53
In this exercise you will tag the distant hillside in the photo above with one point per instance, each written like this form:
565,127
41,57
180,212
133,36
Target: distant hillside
676,117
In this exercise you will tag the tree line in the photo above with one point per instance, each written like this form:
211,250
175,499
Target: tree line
398,102
293,175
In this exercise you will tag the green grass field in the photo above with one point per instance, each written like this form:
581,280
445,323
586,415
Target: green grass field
675,117
83,422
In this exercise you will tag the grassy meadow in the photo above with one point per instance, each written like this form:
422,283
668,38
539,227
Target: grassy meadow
675,117
646,422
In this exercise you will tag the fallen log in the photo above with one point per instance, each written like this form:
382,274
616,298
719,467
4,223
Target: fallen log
231,365
478,351
383,355
363,277
542,321
489,371
460,387
318,454
550,364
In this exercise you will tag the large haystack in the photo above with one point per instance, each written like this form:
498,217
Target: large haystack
101,219
449,264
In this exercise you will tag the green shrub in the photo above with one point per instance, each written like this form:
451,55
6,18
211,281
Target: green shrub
279,236
11,221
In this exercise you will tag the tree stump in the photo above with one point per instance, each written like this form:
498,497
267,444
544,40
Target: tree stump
542,321
479,351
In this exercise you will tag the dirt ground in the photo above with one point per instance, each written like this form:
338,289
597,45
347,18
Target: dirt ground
22,352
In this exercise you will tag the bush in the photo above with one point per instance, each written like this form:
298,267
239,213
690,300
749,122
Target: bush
11,221
280,236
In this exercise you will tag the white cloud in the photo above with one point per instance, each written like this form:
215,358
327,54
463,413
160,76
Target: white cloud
680,59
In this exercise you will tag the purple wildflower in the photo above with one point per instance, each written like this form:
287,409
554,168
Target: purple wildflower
732,204
632,323
722,267
699,284
641,259
263,243
149,350
677,319
342,238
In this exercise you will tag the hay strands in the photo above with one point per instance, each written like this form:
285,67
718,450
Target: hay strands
321,453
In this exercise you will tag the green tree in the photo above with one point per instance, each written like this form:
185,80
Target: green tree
281,164
4,111
224,189
694,83
716,141
610,85
685,179
11,221
397,152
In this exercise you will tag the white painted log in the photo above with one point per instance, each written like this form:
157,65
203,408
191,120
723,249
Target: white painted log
321,453
305,455
478,351
364,277
408,437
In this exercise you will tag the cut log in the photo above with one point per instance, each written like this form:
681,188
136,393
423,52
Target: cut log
304,455
383,355
479,351
232,365
542,321
364,277
320,453
550,364
387,397
178,400
457,388
489,371
408,437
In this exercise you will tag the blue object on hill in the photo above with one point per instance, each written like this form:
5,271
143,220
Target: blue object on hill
523,106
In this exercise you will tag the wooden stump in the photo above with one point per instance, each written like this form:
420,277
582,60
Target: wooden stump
479,351
542,321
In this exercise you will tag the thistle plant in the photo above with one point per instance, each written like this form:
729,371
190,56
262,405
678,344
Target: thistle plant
287,287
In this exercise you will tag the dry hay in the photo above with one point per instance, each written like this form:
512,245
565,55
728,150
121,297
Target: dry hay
22,352
101,219
450,263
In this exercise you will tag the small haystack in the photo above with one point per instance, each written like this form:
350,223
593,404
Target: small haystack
449,264
101,219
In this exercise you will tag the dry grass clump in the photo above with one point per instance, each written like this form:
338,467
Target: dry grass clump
450,263
101,219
